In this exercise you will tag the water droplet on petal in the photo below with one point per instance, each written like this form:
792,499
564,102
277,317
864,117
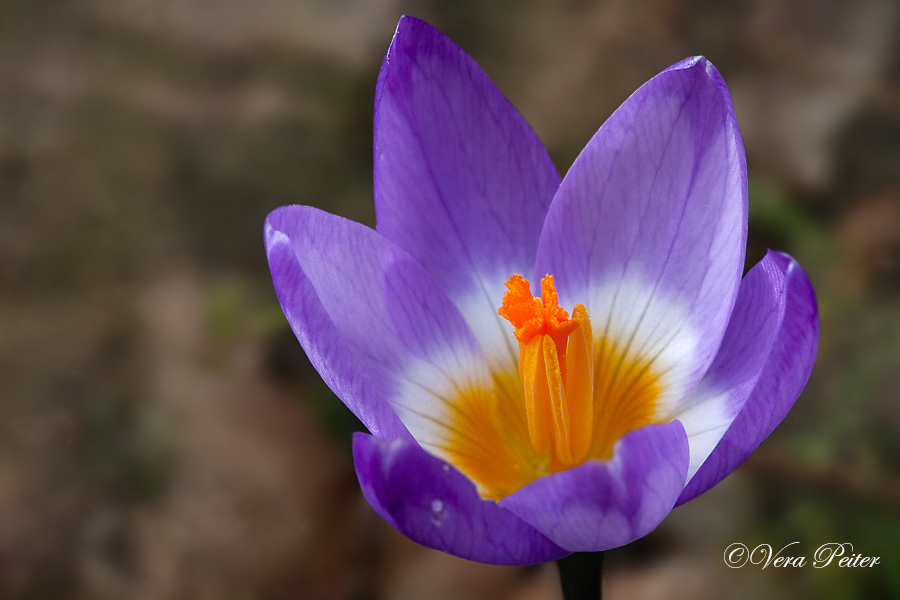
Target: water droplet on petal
437,512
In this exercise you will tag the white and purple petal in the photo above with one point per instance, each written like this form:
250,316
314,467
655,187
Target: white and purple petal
785,373
371,319
605,504
752,331
648,228
332,357
462,183
434,504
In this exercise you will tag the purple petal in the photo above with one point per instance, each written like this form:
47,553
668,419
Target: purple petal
435,505
782,379
648,228
752,331
372,321
462,183
604,504
327,351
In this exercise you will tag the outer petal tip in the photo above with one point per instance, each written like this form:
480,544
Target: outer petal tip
407,22
410,32
701,66
272,234
702,69
688,63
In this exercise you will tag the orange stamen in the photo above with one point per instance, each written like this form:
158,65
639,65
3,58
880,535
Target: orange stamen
558,402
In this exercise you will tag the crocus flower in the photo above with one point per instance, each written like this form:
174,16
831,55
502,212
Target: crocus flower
545,366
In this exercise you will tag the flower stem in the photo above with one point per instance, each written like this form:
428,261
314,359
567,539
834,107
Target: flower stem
579,574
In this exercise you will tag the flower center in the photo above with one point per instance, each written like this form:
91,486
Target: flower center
556,370
572,397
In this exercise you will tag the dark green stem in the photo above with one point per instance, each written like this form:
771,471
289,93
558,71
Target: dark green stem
579,574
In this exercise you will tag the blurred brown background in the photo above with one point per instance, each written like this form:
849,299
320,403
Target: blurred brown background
162,435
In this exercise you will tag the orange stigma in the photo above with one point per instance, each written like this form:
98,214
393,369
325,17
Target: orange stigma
535,316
